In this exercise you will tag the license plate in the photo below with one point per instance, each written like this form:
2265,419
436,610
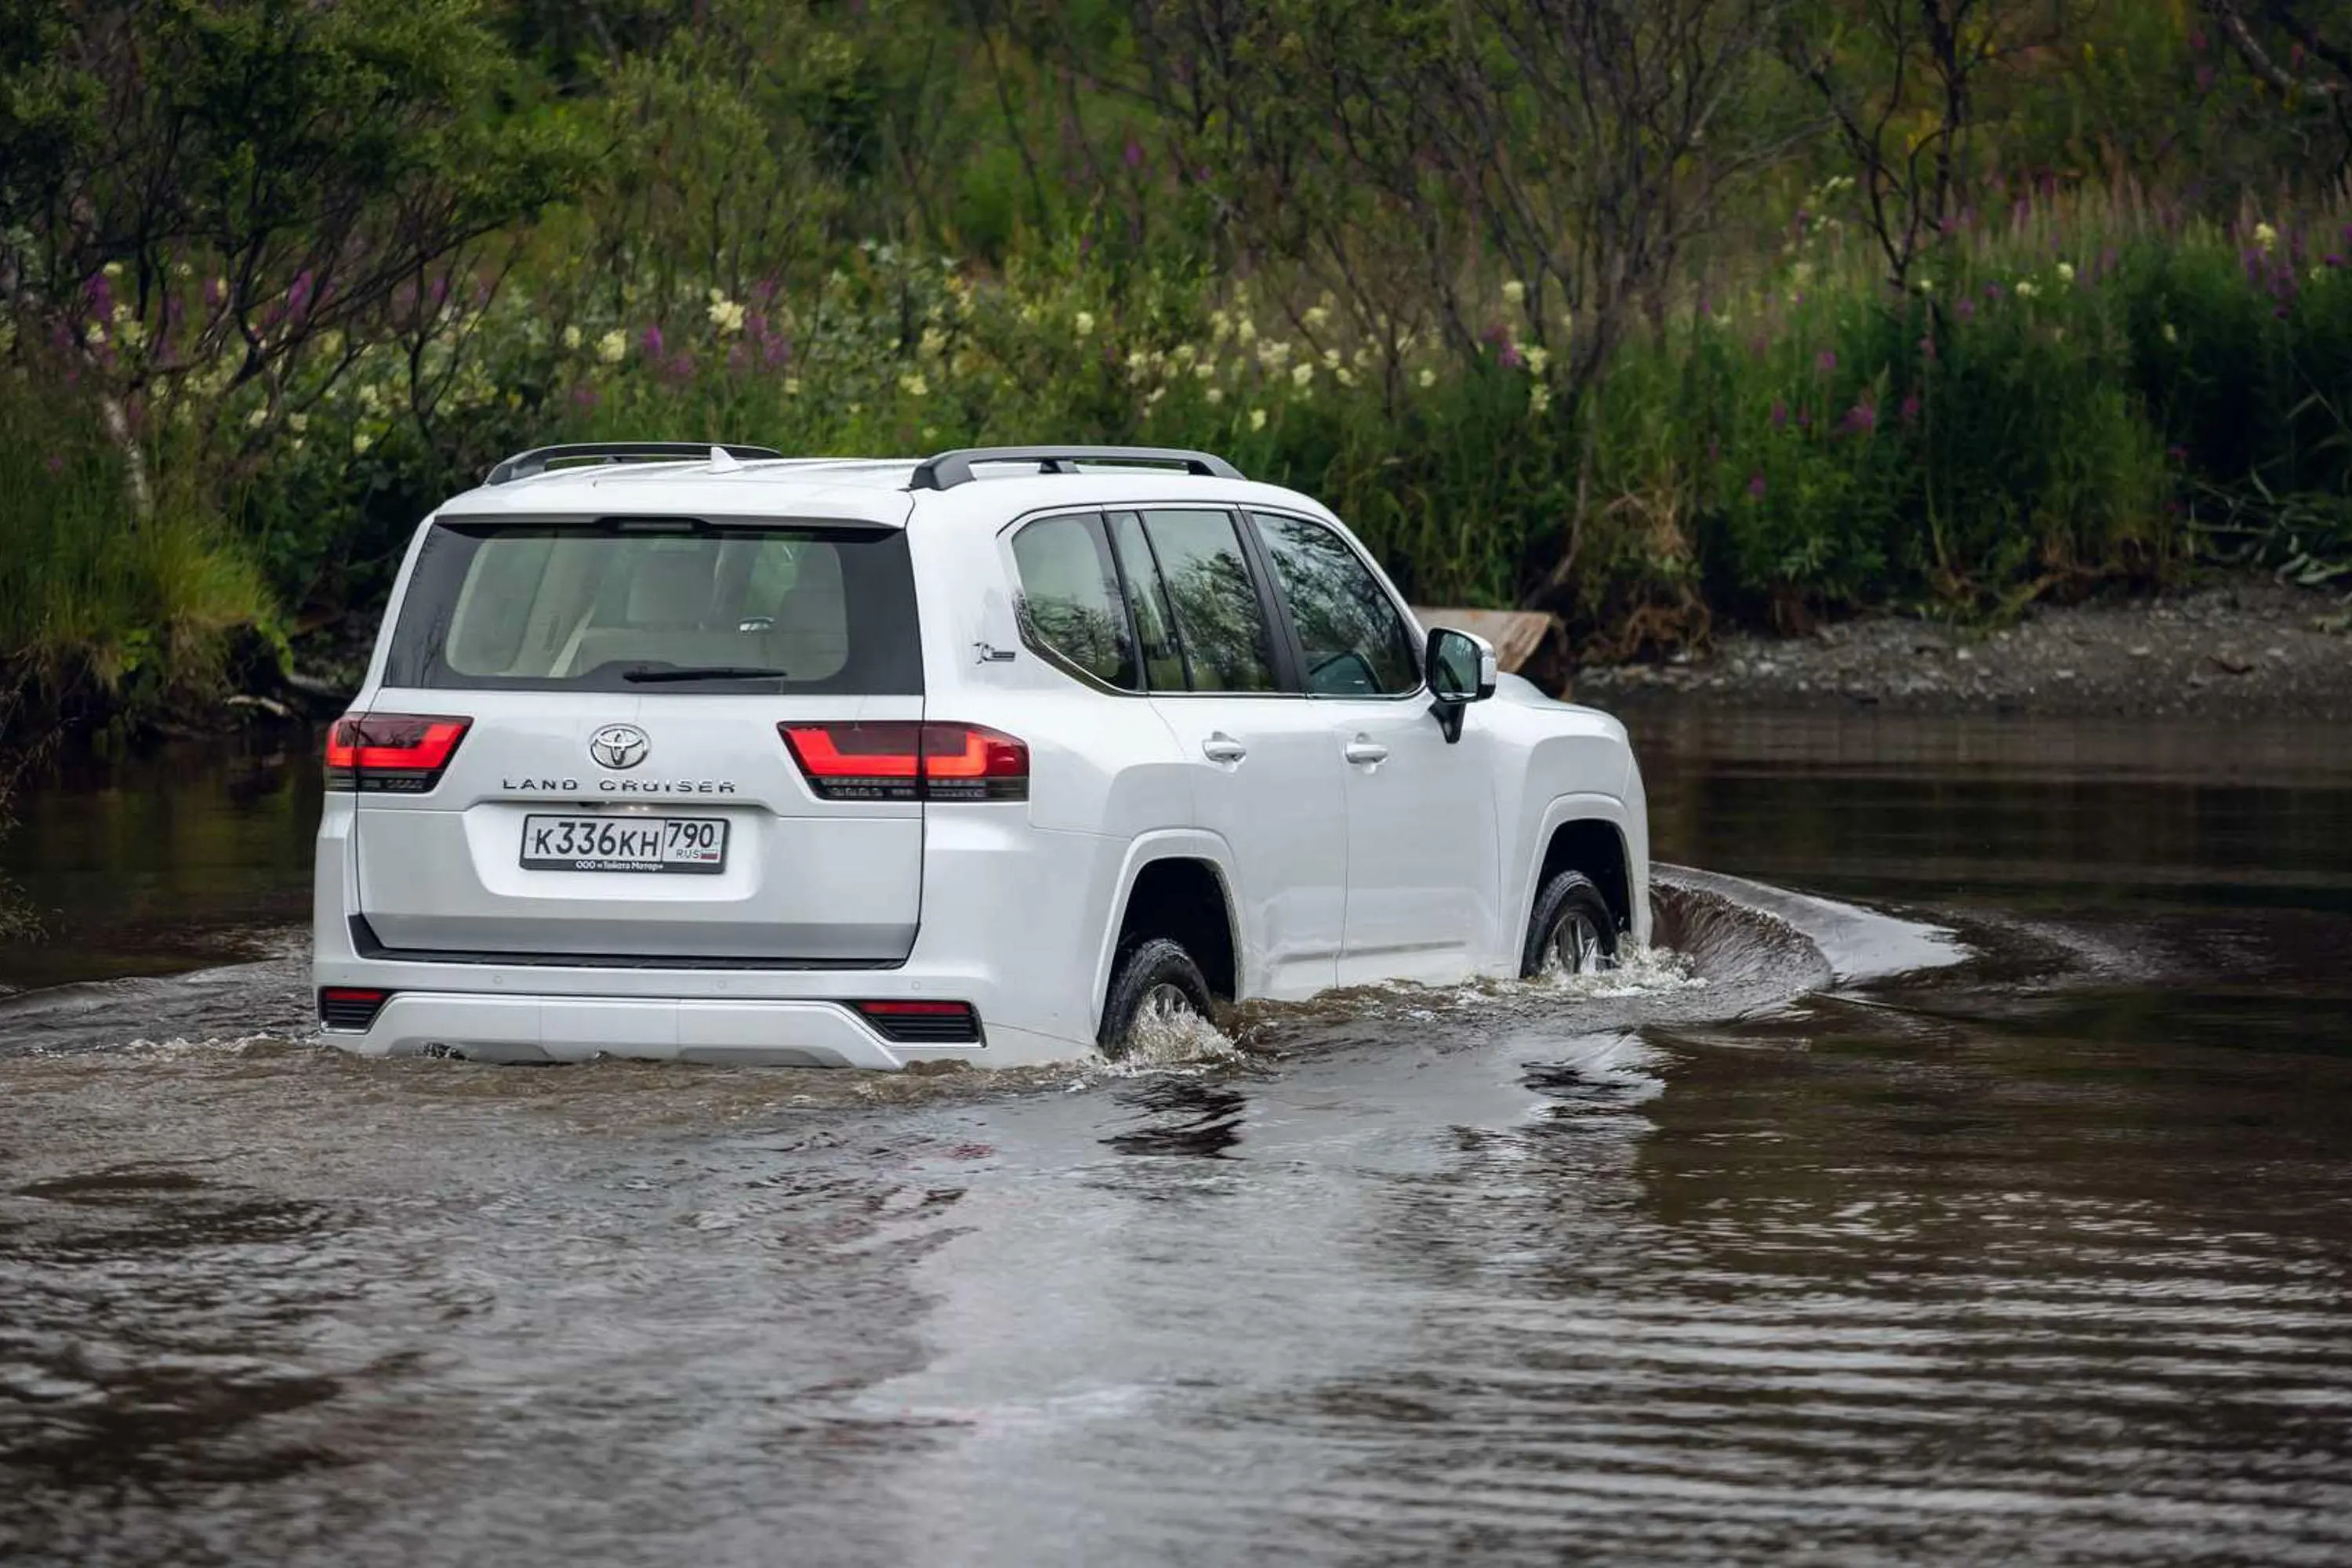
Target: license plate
688,844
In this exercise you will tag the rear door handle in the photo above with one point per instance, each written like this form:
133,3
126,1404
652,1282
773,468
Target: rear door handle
1364,749
1221,747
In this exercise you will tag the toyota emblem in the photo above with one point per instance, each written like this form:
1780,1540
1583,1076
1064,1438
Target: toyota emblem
619,746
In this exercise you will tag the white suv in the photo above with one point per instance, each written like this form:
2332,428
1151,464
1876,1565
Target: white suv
700,751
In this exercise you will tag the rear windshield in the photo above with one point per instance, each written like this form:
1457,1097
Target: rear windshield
659,607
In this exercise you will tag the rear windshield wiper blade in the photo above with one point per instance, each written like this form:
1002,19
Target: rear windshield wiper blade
705,672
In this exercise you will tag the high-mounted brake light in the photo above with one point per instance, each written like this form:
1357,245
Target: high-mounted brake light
402,753
899,758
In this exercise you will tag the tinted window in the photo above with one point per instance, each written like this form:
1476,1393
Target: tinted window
585,606
1352,638
1155,621
1070,604
1220,623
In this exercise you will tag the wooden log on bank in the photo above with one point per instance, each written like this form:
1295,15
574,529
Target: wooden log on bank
1527,642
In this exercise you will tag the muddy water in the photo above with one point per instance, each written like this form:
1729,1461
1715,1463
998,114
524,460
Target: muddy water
1973,1182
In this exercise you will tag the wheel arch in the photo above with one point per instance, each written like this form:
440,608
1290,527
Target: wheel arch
1588,833
1199,864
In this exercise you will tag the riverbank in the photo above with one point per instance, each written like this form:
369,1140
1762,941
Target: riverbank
2242,645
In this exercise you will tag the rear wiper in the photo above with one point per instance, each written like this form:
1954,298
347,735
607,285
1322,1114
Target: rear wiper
645,673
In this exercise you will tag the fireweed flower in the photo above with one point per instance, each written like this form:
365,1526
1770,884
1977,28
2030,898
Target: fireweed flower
1779,415
1826,361
1911,408
1756,486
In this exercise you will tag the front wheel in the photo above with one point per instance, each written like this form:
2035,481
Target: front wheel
1156,982
1572,932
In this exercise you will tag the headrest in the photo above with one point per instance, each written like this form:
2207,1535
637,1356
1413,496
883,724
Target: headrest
672,588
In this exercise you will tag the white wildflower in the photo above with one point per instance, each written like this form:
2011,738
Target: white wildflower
571,337
1427,378
1515,292
362,441
1257,418
613,346
1082,323
2266,237
1302,374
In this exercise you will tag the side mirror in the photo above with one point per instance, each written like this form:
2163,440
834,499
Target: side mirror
1461,669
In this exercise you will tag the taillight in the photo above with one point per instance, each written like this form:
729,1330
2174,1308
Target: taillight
899,758
923,1022
350,1006
403,753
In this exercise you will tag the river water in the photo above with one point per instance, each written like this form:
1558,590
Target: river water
1972,1181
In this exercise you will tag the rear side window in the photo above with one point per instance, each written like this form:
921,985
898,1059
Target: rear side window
1070,606
1351,639
660,606
1220,620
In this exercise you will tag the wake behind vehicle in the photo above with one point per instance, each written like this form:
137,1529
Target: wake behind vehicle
705,753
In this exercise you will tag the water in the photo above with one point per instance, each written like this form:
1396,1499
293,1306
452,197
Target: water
1972,1182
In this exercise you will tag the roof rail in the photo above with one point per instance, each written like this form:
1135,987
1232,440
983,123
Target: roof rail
539,459
949,469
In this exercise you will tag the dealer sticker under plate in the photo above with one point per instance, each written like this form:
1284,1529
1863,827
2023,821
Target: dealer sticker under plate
690,843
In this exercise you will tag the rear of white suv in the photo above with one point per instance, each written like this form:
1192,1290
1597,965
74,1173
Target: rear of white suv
650,782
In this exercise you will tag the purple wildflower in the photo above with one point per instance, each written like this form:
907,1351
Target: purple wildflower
1779,415
1134,153
583,398
56,462
1861,418
1928,349
1756,486
1826,362
1967,309
1511,357
1911,409
652,343
2177,454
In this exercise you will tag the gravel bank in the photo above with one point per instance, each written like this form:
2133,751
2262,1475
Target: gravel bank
2248,647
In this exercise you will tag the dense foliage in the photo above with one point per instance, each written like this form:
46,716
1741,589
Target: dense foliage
1645,311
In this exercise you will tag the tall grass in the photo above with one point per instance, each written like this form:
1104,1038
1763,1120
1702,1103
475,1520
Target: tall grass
100,608
2085,391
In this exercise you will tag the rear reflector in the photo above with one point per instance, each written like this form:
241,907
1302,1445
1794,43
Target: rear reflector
350,1006
403,753
903,759
923,1022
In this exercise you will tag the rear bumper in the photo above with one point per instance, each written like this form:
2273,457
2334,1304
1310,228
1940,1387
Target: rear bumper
749,1032
1012,921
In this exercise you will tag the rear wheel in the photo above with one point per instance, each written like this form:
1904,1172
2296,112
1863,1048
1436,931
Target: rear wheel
1573,933
1156,982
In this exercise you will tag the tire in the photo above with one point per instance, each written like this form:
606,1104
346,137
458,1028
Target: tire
1156,971
1570,910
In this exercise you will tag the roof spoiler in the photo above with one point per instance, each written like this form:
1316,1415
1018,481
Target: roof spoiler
539,459
949,469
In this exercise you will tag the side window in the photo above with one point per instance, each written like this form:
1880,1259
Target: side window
1155,621
1220,622
1354,641
1070,606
